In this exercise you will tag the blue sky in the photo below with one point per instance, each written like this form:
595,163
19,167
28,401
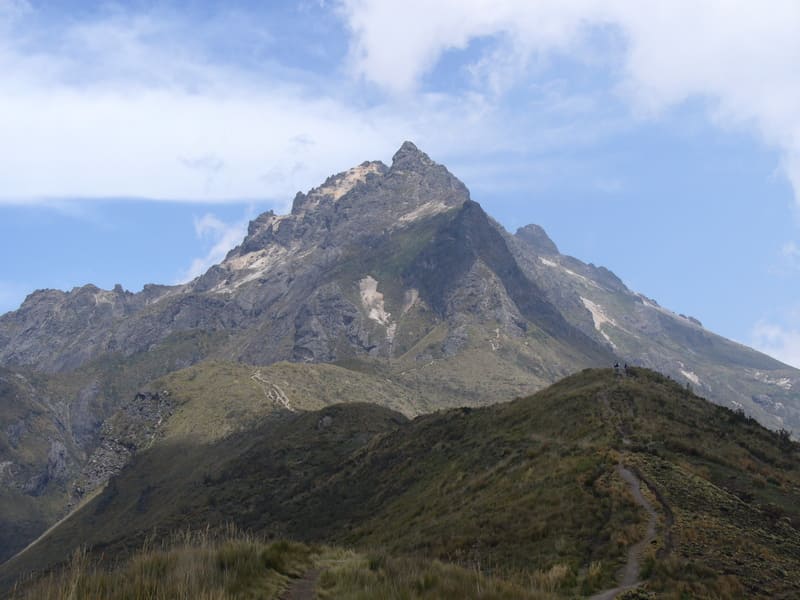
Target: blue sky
661,140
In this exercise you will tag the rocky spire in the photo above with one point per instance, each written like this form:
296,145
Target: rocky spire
409,157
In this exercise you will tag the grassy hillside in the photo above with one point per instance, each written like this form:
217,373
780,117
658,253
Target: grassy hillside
525,491
214,399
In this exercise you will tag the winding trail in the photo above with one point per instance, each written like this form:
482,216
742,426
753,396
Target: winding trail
629,574
273,391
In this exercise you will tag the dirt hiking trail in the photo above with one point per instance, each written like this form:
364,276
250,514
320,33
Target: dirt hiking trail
303,588
629,574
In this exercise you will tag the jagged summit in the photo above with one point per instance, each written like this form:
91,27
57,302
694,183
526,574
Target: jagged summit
364,199
407,160
410,157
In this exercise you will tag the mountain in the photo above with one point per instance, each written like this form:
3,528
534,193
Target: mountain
565,482
366,265
385,284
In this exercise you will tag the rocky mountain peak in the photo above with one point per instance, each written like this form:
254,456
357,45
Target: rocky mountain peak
364,200
409,158
536,239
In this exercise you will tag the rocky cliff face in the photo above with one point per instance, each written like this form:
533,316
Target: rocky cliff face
300,286
276,280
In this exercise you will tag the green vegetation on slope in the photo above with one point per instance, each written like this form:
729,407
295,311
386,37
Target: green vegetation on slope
527,490
215,398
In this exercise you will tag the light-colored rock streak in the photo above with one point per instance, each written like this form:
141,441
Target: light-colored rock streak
425,210
783,382
600,318
410,298
548,262
691,376
251,266
339,186
570,272
104,297
351,178
372,300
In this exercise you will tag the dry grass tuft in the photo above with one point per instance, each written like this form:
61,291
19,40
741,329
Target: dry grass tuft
192,565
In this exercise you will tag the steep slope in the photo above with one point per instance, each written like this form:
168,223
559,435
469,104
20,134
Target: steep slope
33,468
641,332
529,486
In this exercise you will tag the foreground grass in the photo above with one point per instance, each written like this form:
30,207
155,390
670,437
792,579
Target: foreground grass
349,575
236,566
191,566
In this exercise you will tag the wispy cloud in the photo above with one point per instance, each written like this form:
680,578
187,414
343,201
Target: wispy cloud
220,236
779,341
131,105
738,56
140,105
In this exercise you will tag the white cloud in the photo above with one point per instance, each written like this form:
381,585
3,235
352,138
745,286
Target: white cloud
135,105
117,107
776,340
150,143
739,56
222,236
394,48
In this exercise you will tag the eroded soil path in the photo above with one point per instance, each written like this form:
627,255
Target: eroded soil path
303,588
629,574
